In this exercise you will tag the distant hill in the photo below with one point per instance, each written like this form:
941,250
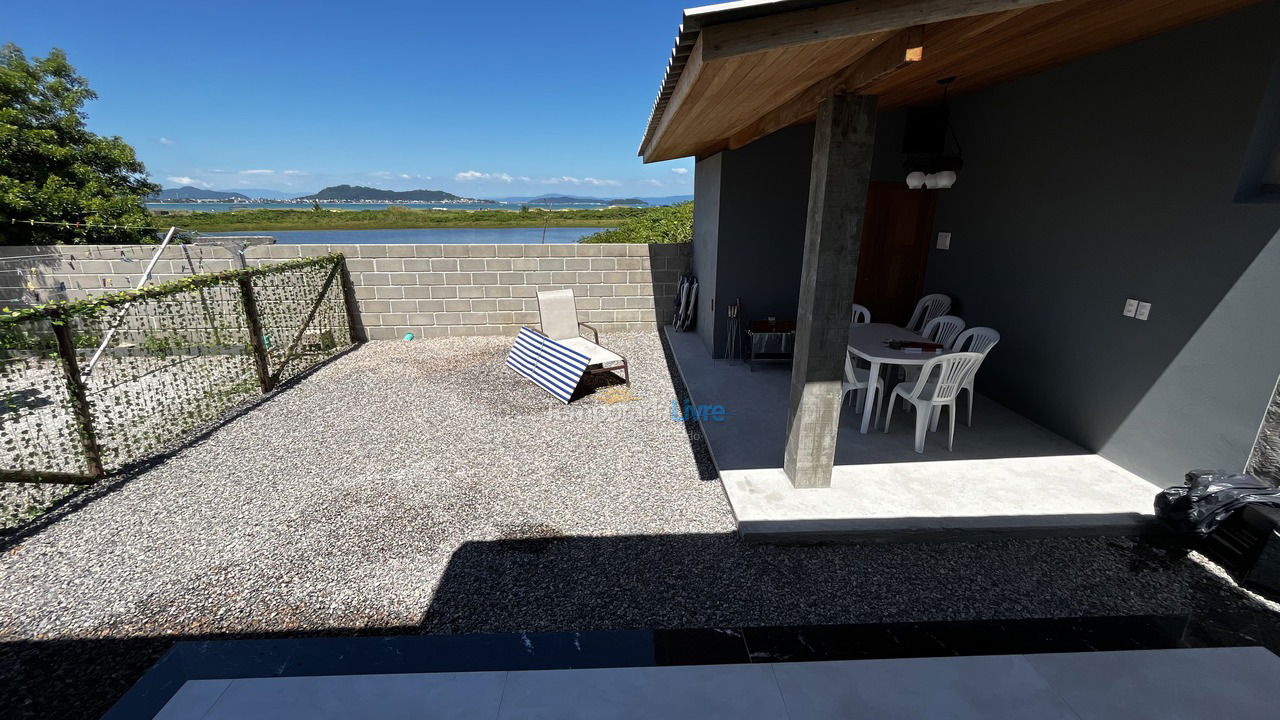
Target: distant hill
574,200
360,192
193,193
266,194
556,199
669,200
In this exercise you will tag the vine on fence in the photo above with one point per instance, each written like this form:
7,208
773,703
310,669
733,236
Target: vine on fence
179,355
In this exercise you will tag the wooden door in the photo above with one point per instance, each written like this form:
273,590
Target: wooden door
895,247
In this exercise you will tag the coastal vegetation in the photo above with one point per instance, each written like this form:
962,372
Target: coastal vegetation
60,183
396,217
654,226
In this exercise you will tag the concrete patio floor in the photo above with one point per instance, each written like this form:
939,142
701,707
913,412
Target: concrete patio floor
1005,476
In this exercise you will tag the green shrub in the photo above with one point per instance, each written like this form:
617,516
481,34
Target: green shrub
658,225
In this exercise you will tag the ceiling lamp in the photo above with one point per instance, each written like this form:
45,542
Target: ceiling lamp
928,163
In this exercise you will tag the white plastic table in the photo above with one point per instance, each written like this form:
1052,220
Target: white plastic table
869,341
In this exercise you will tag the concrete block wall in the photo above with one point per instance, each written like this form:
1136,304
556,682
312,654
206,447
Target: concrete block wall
45,273
428,290
436,290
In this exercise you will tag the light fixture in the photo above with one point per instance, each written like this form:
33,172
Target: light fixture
929,164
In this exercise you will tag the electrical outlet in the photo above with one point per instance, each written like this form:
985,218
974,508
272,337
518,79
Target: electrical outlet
1144,309
1130,307
944,241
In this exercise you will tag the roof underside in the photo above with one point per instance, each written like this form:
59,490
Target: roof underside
741,70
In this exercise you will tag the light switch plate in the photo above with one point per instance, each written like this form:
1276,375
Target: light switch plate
1130,307
944,241
1144,309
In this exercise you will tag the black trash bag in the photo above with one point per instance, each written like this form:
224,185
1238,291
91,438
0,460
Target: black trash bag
1210,496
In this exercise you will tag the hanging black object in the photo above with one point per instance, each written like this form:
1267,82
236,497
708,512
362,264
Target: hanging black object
1207,497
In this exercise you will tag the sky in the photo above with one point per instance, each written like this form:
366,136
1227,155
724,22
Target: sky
482,99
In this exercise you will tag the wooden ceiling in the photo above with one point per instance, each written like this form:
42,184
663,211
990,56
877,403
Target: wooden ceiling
732,83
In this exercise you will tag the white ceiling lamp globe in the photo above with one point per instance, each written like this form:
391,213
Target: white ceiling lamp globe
945,179
915,180
931,181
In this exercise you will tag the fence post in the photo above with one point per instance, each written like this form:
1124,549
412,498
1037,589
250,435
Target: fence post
354,328
79,400
255,333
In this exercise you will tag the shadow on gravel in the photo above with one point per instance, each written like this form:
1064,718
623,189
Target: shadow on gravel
536,580
697,443
75,501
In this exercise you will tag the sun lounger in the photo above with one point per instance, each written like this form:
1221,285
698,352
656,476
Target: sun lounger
557,358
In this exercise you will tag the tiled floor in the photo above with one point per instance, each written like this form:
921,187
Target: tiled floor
1158,684
1005,476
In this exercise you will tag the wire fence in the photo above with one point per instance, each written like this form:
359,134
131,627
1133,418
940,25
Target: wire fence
176,357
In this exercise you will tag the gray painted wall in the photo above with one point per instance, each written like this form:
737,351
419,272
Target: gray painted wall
706,233
749,222
1109,178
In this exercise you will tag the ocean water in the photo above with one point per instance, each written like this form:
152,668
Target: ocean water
228,207
426,236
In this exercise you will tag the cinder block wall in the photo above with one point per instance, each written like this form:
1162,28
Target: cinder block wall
428,290
44,273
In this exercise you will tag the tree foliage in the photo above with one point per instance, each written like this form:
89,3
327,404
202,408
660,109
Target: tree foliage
657,225
53,169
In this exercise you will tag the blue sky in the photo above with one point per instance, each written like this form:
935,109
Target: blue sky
482,99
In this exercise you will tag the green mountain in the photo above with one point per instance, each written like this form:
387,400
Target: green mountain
193,193
351,193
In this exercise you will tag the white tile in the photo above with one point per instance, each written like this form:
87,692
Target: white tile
458,696
1226,683
695,692
192,700
978,688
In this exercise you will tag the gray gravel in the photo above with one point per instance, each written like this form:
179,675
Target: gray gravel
424,487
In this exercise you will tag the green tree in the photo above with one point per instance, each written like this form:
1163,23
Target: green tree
53,169
656,225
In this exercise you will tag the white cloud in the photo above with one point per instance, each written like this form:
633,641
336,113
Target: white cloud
651,181
257,172
165,141
680,171
473,175
570,180
184,180
295,172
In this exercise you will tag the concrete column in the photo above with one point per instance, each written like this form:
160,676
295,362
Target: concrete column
843,143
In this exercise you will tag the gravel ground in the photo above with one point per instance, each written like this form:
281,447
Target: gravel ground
424,487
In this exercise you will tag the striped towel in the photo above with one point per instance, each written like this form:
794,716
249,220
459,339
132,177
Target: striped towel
550,365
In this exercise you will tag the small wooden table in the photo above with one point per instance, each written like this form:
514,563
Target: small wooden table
870,341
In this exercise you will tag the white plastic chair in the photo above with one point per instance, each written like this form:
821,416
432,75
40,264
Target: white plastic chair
857,379
929,394
929,307
979,340
943,330
860,314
